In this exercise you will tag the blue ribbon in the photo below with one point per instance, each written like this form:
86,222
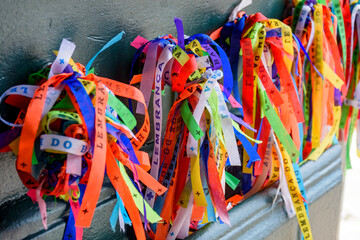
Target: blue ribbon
228,81
246,186
298,42
115,213
70,230
250,149
124,142
86,108
234,55
108,44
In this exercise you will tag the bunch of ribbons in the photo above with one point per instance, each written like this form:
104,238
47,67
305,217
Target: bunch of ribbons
287,111
70,129
209,134
254,100
348,23
328,35
199,134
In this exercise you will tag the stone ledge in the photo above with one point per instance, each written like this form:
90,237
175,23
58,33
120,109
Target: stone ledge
255,218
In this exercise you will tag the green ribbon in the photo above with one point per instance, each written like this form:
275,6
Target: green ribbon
277,126
190,121
296,15
231,180
123,112
341,28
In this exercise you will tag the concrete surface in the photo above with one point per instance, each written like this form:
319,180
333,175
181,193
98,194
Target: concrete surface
350,215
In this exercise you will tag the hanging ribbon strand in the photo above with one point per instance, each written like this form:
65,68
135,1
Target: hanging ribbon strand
73,128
